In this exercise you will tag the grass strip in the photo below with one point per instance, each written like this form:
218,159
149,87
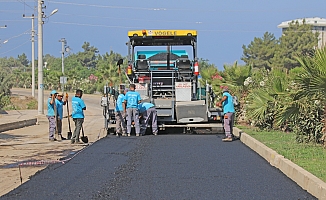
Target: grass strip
311,157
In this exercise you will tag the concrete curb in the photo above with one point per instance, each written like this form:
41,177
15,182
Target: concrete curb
16,125
303,178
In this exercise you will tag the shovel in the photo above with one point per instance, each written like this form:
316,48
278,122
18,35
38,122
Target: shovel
69,134
83,137
55,118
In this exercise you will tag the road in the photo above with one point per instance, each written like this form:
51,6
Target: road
162,167
169,166
31,144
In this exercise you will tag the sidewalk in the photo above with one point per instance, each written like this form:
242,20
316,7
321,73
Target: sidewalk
14,119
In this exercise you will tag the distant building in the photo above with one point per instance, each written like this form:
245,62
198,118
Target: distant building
318,24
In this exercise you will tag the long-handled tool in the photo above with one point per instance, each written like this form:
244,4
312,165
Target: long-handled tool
69,134
83,137
55,118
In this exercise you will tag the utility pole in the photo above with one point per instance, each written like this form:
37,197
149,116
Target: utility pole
63,50
40,16
63,44
33,54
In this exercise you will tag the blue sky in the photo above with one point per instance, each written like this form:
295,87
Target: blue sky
223,26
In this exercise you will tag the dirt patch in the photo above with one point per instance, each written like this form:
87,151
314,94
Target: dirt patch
22,103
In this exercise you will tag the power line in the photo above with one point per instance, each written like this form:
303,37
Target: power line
12,20
12,11
98,25
102,6
130,27
14,48
17,35
178,9
158,20
11,1
169,9
23,33
150,20
128,19
199,30
25,4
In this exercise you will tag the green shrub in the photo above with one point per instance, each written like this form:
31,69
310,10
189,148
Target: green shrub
4,101
32,104
308,126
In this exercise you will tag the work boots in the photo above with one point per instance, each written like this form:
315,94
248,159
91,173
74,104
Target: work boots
62,138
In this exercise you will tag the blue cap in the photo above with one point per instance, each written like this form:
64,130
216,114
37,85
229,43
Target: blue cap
53,92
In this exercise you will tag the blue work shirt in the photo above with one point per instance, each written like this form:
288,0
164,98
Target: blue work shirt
145,106
132,98
118,105
228,103
77,107
59,104
50,108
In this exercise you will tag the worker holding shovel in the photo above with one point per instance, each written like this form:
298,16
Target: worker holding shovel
78,107
51,115
59,104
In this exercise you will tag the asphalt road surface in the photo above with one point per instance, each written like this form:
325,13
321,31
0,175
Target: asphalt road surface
174,166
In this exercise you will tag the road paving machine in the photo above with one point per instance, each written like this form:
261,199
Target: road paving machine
163,64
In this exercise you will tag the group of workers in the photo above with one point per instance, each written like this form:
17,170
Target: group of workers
129,110
55,105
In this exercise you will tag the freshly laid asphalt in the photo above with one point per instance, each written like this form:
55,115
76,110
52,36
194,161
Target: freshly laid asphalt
175,166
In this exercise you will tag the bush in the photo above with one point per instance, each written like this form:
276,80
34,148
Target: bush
308,127
4,101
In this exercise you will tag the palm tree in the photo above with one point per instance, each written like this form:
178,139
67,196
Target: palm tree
267,98
306,110
234,76
313,80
